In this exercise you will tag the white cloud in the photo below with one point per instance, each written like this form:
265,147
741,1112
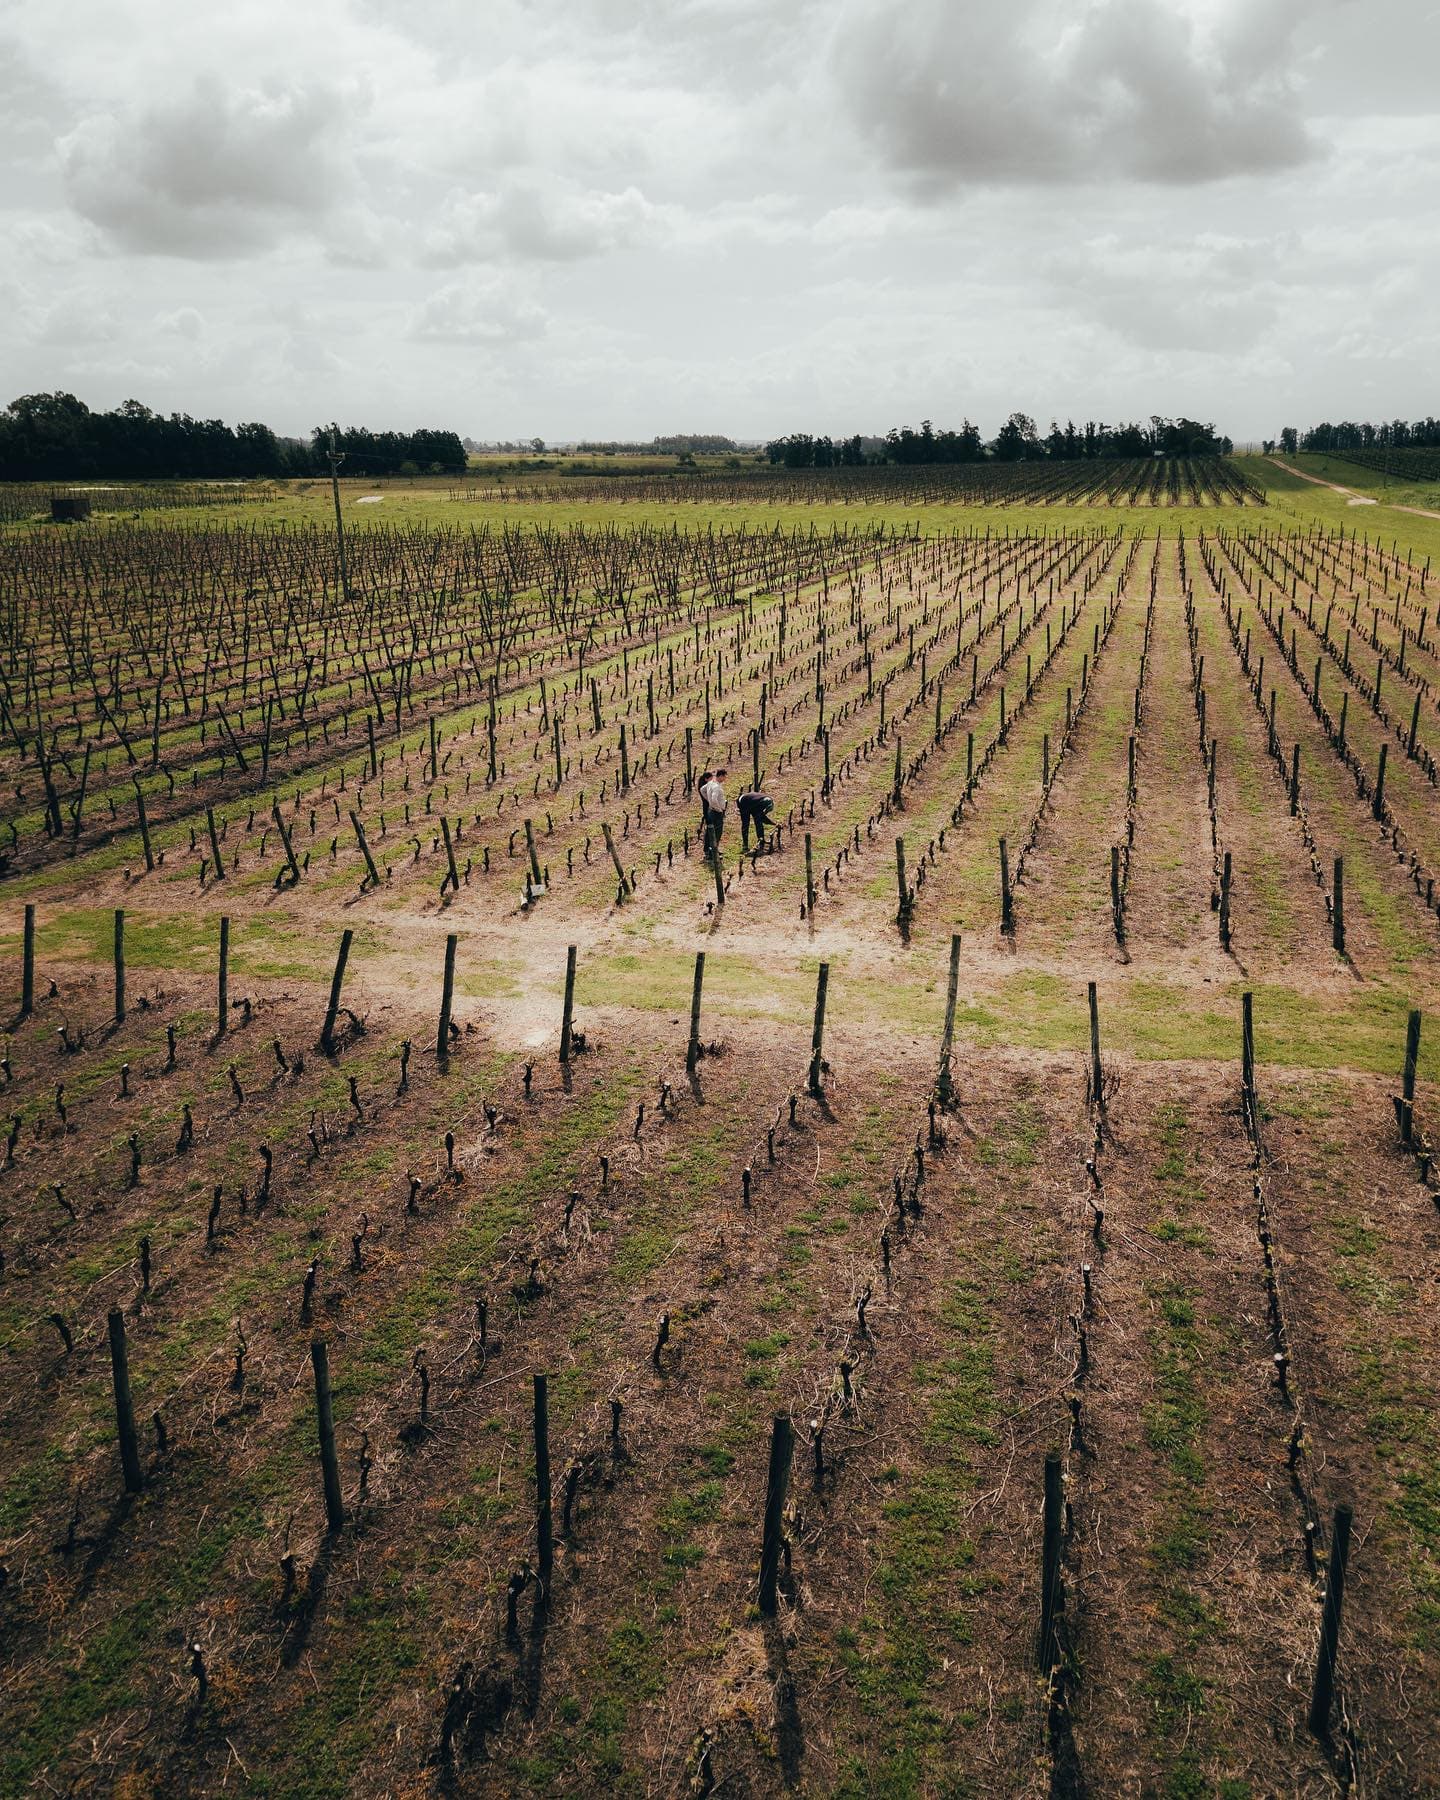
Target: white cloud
539,218
487,313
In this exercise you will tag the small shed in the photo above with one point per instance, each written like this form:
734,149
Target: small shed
69,507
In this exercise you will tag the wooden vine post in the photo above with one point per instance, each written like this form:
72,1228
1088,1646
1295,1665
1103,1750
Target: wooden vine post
544,1538
1407,1089
144,824
809,877
214,843
222,985
27,964
1007,905
325,1426
945,1082
620,874
692,1052
907,899
1051,1597
1247,1060
447,996
119,965
777,1484
817,1032
372,873
452,874
1322,1695
327,1036
124,1410
1337,908
1097,1073
1225,870
567,1017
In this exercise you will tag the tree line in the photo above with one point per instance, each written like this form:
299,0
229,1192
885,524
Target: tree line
1395,434
55,437
1017,440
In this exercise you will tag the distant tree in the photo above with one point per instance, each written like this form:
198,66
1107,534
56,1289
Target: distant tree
1289,440
1016,440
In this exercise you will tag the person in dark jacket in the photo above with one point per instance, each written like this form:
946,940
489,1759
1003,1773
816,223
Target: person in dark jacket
755,809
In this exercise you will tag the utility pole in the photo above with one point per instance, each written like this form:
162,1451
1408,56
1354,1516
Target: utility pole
335,458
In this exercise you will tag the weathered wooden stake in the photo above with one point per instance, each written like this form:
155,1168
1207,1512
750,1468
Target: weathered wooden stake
442,1036
777,1484
1050,1591
452,874
1337,910
1379,806
222,985
567,1017
1225,902
327,1036
364,844
1247,1054
1295,781
530,849
809,877
1407,1090
1097,1073
214,843
692,1052
544,1541
945,1085
903,916
325,1425
620,874
144,824
1007,911
119,965
1116,913
27,964
817,1032
284,831
1323,1694
124,1411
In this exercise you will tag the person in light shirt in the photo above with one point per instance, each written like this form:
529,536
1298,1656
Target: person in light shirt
713,794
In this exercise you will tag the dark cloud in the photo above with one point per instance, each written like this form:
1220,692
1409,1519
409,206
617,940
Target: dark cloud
1045,92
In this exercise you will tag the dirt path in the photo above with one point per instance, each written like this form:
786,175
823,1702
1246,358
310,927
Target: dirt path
1354,498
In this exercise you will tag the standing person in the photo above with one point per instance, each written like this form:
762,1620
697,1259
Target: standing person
702,787
755,809
714,796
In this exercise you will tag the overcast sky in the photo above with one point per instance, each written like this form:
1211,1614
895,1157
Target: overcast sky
620,217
